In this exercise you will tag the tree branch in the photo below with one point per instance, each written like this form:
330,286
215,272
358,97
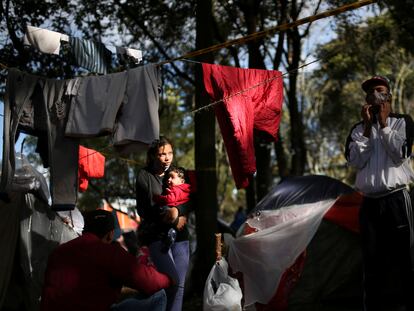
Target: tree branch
279,49
232,49
306,32
17,43
141,25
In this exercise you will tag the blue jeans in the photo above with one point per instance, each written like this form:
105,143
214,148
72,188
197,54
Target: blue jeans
175,264
156,302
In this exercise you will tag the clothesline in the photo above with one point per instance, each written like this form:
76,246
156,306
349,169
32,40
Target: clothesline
263,33
208,106
66,38
216,102
252,87
260,34
239,92
266,32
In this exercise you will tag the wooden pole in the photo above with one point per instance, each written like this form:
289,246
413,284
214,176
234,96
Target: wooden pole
218,246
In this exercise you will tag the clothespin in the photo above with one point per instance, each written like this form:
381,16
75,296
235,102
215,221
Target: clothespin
218,247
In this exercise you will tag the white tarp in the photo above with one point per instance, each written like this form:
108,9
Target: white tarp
282,236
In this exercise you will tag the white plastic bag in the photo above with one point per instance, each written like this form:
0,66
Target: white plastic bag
27,179
221,291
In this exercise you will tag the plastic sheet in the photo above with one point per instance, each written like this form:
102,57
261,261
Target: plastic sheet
302,189
27,179
285,222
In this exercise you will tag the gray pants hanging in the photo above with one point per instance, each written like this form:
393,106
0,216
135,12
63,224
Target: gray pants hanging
38,106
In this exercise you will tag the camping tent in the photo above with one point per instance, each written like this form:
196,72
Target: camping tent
302,252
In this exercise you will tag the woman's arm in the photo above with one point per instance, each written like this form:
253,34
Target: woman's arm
147,186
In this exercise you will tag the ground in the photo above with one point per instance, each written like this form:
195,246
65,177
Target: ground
193,303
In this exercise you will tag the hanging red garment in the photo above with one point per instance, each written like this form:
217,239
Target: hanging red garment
258,107
91,165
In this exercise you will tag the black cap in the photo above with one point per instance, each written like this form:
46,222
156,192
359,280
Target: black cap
99,222
375,80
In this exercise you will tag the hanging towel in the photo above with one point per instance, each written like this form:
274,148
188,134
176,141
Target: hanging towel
257,108
136,55
91,165
90,55
46,41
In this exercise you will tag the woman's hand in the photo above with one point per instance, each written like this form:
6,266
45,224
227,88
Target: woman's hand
182,220
170,215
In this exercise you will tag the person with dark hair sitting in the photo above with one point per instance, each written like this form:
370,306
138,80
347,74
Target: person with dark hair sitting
87,273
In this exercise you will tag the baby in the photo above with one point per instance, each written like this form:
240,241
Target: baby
177,193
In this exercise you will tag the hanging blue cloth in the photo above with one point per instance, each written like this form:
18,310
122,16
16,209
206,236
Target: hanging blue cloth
90,55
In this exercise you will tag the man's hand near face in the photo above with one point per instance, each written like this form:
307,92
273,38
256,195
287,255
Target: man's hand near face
384,112
366,115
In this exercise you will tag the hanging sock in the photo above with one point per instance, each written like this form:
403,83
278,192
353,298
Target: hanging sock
90,55
44,40
257,106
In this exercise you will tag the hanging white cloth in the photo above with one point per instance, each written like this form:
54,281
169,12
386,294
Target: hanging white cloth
46,41
133,53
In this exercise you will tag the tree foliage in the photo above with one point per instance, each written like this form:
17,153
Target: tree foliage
335,94
402,14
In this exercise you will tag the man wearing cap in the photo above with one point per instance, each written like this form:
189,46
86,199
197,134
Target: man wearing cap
379,147
88,272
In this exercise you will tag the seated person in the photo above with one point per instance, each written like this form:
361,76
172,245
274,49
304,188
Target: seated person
87,273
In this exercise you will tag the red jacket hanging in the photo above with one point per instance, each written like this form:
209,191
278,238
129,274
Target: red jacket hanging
255,105
91,165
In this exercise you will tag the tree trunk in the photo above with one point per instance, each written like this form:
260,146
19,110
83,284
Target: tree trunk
205,156
281,158
296,118
263,166
262,150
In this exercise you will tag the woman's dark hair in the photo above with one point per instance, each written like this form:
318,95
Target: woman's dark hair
152,151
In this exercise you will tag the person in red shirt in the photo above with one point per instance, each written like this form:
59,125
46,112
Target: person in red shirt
87,273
